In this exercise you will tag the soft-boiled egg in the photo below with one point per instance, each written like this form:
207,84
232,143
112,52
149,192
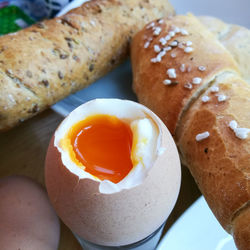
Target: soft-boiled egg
27,219
112,172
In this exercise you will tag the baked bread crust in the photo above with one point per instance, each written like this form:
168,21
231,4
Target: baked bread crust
203,119
236,40
52,59
242,229
176,97
219,163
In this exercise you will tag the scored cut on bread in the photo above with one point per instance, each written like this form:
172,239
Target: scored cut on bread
48,61
188,78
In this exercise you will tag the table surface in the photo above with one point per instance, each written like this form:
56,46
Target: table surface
23,150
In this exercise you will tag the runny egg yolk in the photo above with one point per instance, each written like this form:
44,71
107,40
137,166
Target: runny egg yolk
102,143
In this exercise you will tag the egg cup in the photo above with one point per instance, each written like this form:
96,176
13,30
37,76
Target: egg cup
148,243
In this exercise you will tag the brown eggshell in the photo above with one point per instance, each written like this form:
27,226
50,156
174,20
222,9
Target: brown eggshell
27,220
120,218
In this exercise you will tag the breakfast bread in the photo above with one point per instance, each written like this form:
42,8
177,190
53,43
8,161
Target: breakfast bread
177,61
220,163
242,229
188,78
49,60
235,38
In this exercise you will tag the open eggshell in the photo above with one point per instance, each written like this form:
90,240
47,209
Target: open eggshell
119,218
27,219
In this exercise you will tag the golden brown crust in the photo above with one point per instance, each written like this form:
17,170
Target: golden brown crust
176,97
219,163
242,229
235,38
47,61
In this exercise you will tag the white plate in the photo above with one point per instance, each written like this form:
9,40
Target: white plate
197,229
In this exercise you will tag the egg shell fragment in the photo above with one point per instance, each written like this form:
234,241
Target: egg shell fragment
27,219
119,218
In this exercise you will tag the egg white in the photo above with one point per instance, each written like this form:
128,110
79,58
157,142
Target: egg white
145,147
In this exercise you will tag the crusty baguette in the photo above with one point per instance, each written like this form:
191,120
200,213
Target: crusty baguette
235,38
52,59
219,163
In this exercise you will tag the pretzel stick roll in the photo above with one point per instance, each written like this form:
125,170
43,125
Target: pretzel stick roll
192,82
52,59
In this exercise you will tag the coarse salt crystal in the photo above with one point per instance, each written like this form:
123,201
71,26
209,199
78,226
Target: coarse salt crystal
201,68
233,124
205,98
167,48
157,48
202,136
173,55
146,44
154,60
150,25
196,80
171,73
161,54
167,37
171,33
177,30
221,98
157,31
160,21
241,133
188,85
158,58
188,49
189,43
163,41
214,89
167,82
174,43
184,32
183,67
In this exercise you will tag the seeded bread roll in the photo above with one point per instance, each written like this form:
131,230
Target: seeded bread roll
235,38
184,74
50,60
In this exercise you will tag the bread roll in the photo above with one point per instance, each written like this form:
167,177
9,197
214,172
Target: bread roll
196,89
235,38
241,229
52,59
177,97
